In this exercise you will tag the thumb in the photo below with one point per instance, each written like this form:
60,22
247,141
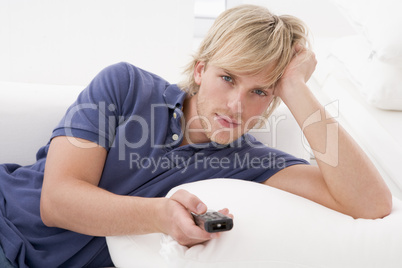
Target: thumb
189,201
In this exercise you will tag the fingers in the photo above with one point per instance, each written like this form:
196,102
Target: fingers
225,211
189,201
185,231
303,63
189,234
301,49
298,48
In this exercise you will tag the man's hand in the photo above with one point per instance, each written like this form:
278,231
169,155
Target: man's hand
344,179
178,222
299,70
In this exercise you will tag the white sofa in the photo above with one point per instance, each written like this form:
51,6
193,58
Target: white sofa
272,228
28,113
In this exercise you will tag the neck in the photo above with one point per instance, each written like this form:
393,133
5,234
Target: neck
192,129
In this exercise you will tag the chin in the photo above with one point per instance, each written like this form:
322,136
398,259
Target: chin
223,137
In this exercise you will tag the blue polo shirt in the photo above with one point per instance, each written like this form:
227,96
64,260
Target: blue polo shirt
136,116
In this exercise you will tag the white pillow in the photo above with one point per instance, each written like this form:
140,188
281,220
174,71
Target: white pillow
379,81
383,86
272,228
380,22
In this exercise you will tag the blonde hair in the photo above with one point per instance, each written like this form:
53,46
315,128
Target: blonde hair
245,39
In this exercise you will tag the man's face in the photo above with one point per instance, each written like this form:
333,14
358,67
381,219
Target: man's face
230,104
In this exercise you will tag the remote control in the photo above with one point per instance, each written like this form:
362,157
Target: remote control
213,221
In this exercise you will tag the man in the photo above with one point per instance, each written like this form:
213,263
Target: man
131,136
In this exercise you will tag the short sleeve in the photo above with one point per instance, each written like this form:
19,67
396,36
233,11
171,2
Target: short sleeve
99,108
264,161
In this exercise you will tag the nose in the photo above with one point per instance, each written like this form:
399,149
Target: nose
235,102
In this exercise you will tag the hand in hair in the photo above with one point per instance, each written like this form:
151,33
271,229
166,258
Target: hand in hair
299,70
344,178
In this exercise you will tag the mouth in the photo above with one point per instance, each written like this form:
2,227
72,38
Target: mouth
226,121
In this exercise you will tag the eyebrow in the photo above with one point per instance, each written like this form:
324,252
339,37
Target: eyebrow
230,74
235,77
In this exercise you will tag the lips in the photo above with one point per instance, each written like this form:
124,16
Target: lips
226,121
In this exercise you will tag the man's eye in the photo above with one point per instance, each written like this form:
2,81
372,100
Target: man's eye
227,78
260,92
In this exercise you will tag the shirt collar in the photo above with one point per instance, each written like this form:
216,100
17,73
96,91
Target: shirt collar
174,96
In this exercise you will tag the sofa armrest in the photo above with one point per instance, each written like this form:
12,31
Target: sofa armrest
28,114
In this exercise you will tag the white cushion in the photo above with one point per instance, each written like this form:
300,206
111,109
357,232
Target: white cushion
272,228
379,71
379,21
383,85
379,81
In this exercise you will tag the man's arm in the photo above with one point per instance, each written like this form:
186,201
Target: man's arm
345,179
71,199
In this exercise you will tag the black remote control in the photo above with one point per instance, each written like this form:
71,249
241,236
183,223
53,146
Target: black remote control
213,221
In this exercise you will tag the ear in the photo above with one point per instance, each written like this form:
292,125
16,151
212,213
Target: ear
198,71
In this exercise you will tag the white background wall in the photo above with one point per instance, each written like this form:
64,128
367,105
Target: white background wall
69,41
